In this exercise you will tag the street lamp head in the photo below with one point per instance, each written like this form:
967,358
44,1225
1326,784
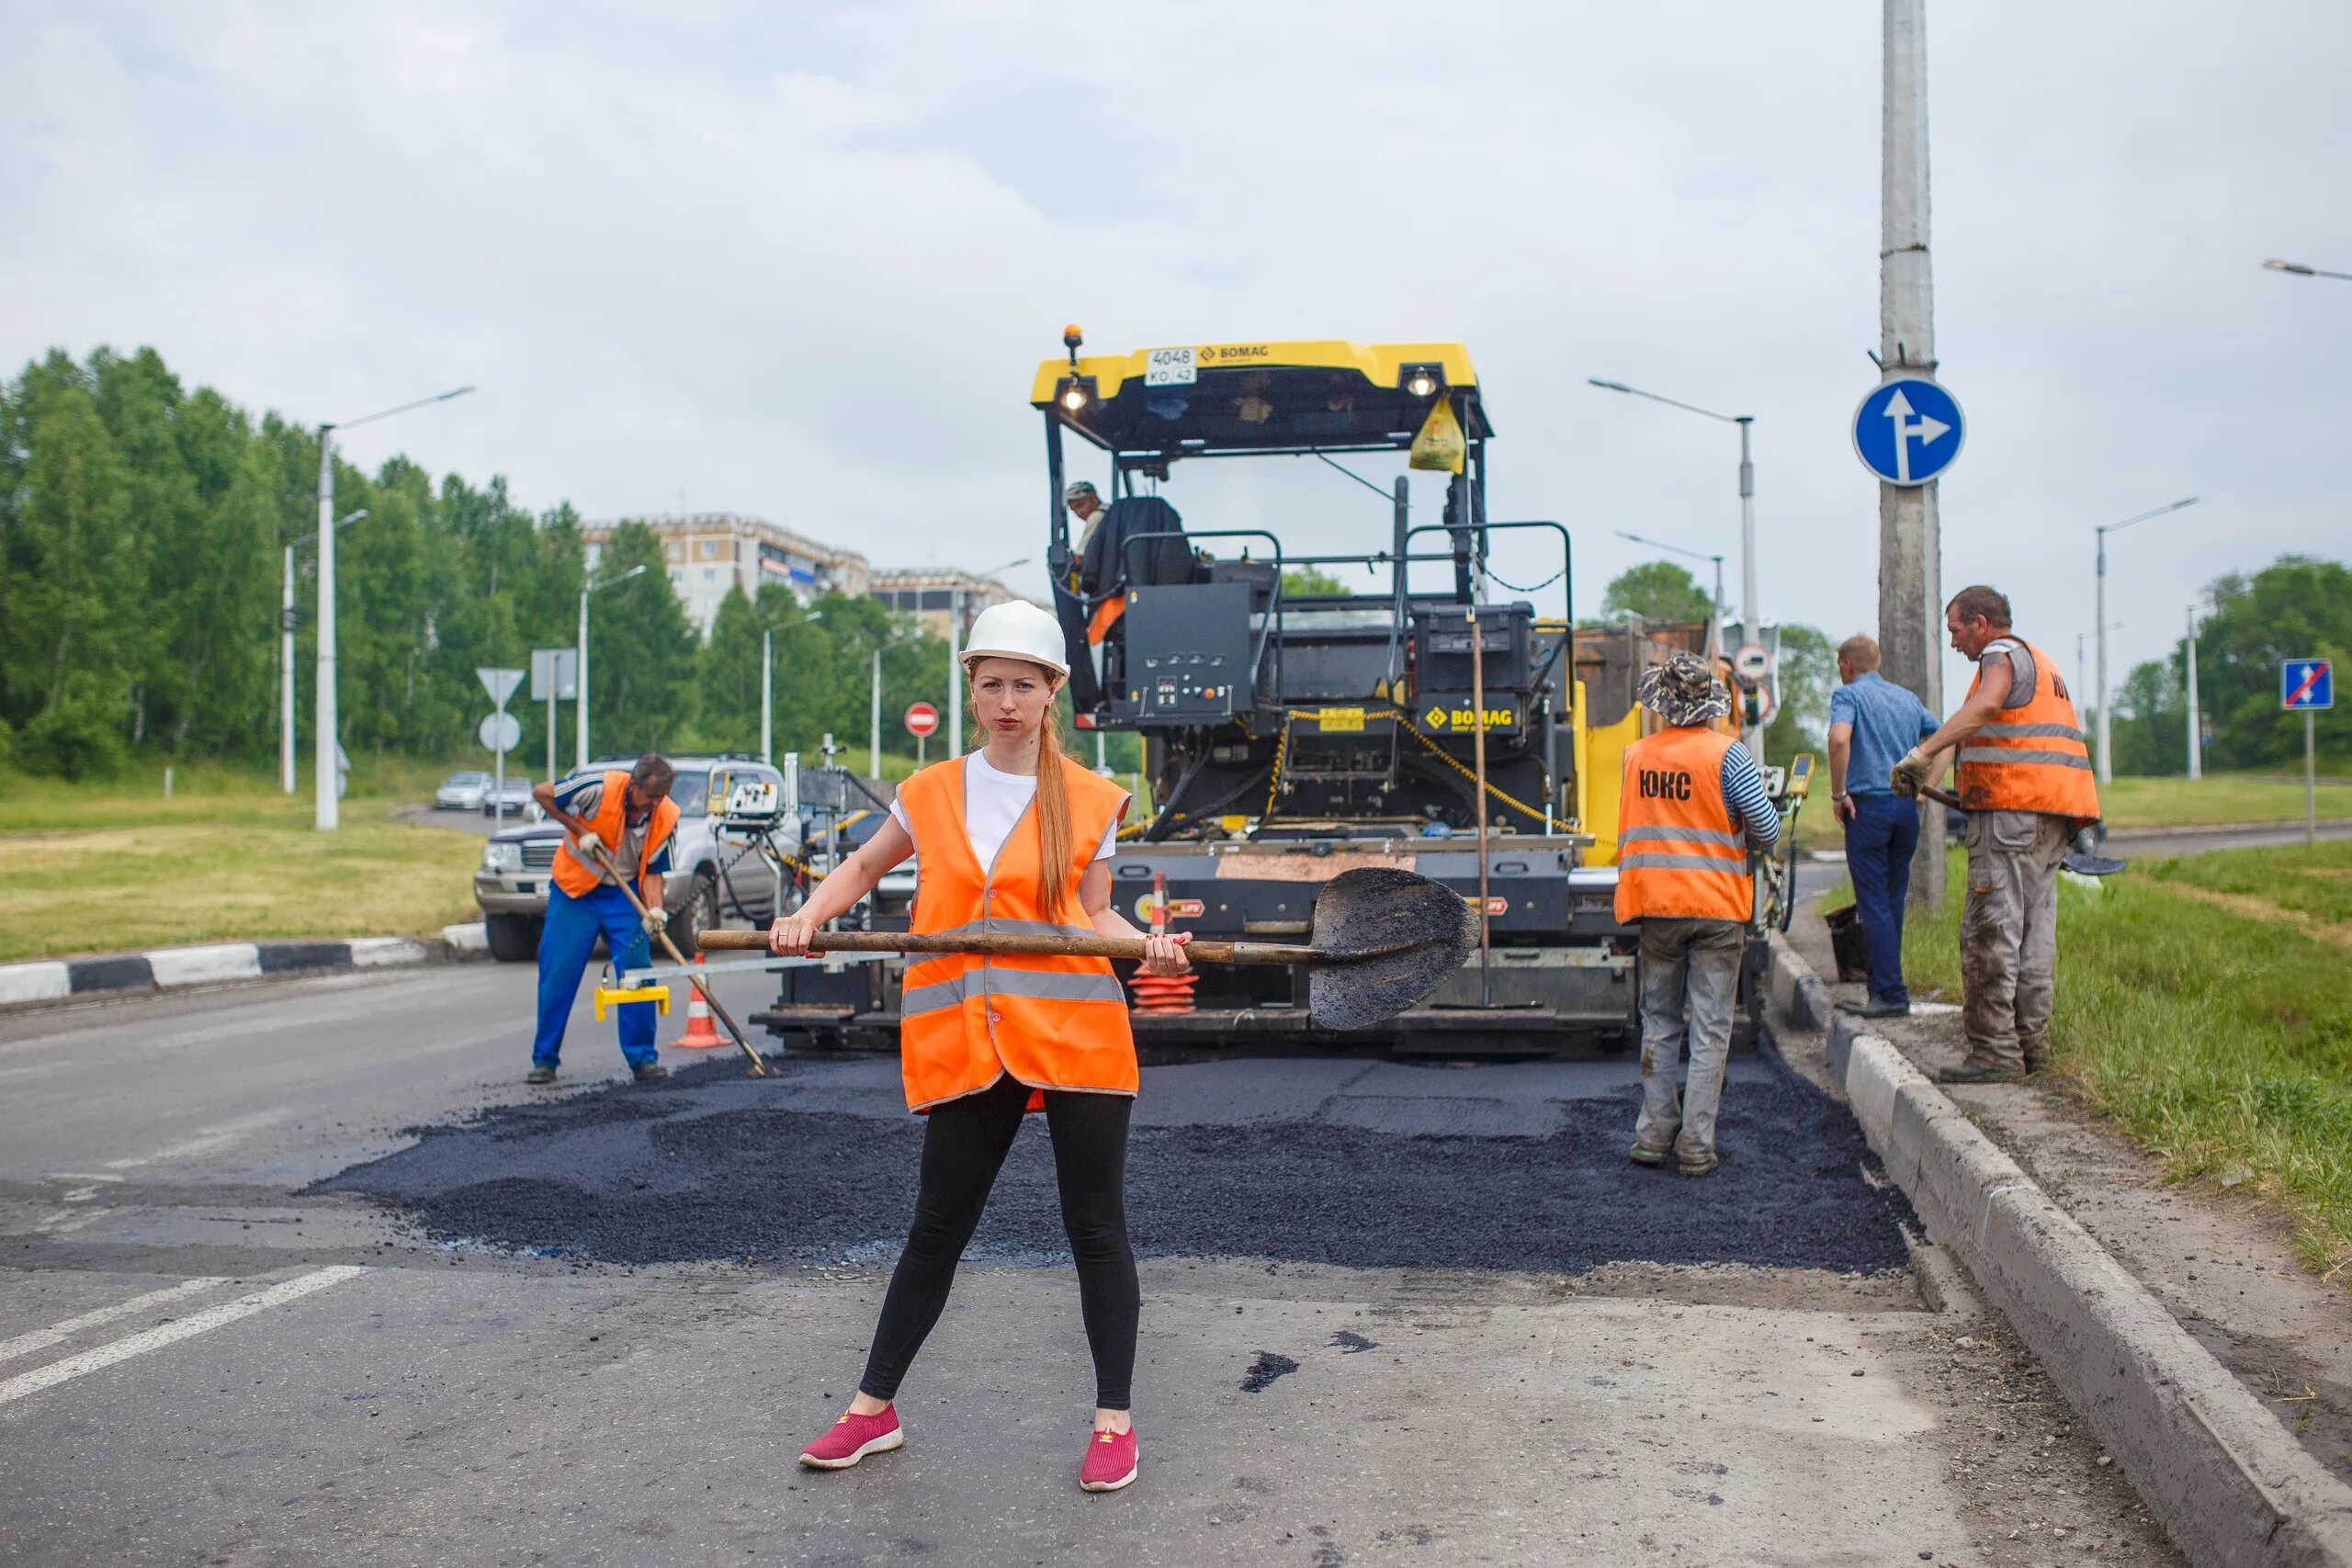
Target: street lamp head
351,517
2274,264
1608,385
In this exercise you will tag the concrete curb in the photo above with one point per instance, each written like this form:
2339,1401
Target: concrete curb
166,968
2230,1485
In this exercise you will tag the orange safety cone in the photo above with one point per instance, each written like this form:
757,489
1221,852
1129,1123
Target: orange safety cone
701,1033
1162,993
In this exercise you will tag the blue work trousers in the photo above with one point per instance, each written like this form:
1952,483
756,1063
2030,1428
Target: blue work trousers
1880,842
564,946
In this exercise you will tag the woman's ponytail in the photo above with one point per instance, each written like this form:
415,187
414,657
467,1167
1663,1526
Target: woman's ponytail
1053,815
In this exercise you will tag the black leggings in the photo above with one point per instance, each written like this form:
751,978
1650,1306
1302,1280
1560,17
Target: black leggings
962,1150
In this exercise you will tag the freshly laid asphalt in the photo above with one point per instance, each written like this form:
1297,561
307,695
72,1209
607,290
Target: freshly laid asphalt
1358,1163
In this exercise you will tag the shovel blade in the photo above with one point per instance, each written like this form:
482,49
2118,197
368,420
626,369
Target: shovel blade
1392,937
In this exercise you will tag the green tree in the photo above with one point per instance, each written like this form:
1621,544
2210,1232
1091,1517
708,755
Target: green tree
76,575
1657,591
642,651
1311,582
1808,668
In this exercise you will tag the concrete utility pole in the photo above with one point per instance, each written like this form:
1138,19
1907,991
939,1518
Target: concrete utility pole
2196,723
767,696
955,676
874,722
1910,575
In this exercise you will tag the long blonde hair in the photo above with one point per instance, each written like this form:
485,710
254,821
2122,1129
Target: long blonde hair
1054,832
1053,848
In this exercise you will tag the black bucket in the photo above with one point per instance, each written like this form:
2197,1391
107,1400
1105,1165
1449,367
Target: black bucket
1846,942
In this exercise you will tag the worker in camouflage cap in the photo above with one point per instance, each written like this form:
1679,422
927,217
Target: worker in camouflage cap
1683,691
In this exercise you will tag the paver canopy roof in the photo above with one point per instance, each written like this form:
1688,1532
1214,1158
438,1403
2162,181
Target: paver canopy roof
1206,399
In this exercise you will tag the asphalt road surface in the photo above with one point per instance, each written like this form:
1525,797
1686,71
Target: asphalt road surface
301,1272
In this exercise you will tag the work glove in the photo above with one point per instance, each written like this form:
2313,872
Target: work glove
589,844
656,918
1909,775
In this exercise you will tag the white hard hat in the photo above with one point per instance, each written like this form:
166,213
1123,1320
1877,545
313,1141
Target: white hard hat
1017,629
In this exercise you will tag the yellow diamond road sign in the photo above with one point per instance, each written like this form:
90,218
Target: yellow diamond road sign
1434,718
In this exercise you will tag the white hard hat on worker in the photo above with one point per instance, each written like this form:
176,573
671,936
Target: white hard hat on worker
1017,629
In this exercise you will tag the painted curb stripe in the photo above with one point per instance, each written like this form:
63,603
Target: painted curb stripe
155,1339
122,972
205,965
35,982
292,957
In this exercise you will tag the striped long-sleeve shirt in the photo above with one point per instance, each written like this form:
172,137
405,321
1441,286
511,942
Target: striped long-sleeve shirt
1744,793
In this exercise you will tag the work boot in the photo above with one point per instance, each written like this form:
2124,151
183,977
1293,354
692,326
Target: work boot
539,1074
650,1072
1700,1164
1642,1154
1965,1074
1882,1009
2037,1061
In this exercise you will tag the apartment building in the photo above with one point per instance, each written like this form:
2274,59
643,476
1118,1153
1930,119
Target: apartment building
929,595
710,552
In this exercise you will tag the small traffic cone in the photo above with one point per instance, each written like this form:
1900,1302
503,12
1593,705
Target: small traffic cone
701,1033
1162,993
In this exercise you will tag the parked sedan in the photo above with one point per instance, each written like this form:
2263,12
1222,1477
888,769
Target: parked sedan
462,792
514,800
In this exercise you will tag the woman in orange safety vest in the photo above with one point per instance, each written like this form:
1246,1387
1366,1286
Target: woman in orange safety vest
1014,839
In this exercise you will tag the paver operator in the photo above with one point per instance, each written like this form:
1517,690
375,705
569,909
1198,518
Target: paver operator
2025,779
630,817
1014,838
1872,722
1692,802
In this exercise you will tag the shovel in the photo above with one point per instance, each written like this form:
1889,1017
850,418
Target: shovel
1382,938
605,864
2080,862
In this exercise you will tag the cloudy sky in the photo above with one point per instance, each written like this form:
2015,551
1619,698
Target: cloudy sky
801,261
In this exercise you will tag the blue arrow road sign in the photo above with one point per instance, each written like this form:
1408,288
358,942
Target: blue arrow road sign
2306,684
1908,431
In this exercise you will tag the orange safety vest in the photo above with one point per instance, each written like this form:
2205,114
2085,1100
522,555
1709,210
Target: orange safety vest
1106,615
2031,756
1679,851
965,1021
575,875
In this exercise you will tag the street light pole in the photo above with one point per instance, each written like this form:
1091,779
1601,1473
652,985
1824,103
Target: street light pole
1747,608
2196,725
582,747
2105,765
327,814
286,678
1715,622
767,696
2300,270
874,721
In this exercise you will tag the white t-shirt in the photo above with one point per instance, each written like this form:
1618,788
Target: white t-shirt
993,803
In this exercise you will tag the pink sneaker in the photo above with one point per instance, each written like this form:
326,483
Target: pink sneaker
853,1438
1110,1461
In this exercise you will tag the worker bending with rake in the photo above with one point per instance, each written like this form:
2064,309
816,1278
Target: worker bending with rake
2026,784
1691,804
625,821
1014,839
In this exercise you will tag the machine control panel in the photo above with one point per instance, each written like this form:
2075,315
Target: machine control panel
1188,652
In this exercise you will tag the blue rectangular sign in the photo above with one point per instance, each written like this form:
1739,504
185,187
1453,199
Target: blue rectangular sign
2306,684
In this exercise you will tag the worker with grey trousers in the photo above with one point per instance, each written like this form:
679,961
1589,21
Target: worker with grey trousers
1690,806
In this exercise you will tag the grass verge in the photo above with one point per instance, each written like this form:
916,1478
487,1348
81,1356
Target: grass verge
2216,799
2220,1038
99,868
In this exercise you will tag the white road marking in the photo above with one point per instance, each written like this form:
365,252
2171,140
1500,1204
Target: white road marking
58,1333
155,1339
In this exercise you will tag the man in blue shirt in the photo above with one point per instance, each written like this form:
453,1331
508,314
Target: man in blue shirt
1873,723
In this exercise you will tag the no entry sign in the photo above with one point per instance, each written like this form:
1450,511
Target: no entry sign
922,719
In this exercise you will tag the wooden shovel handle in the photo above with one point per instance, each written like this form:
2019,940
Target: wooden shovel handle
1019,946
